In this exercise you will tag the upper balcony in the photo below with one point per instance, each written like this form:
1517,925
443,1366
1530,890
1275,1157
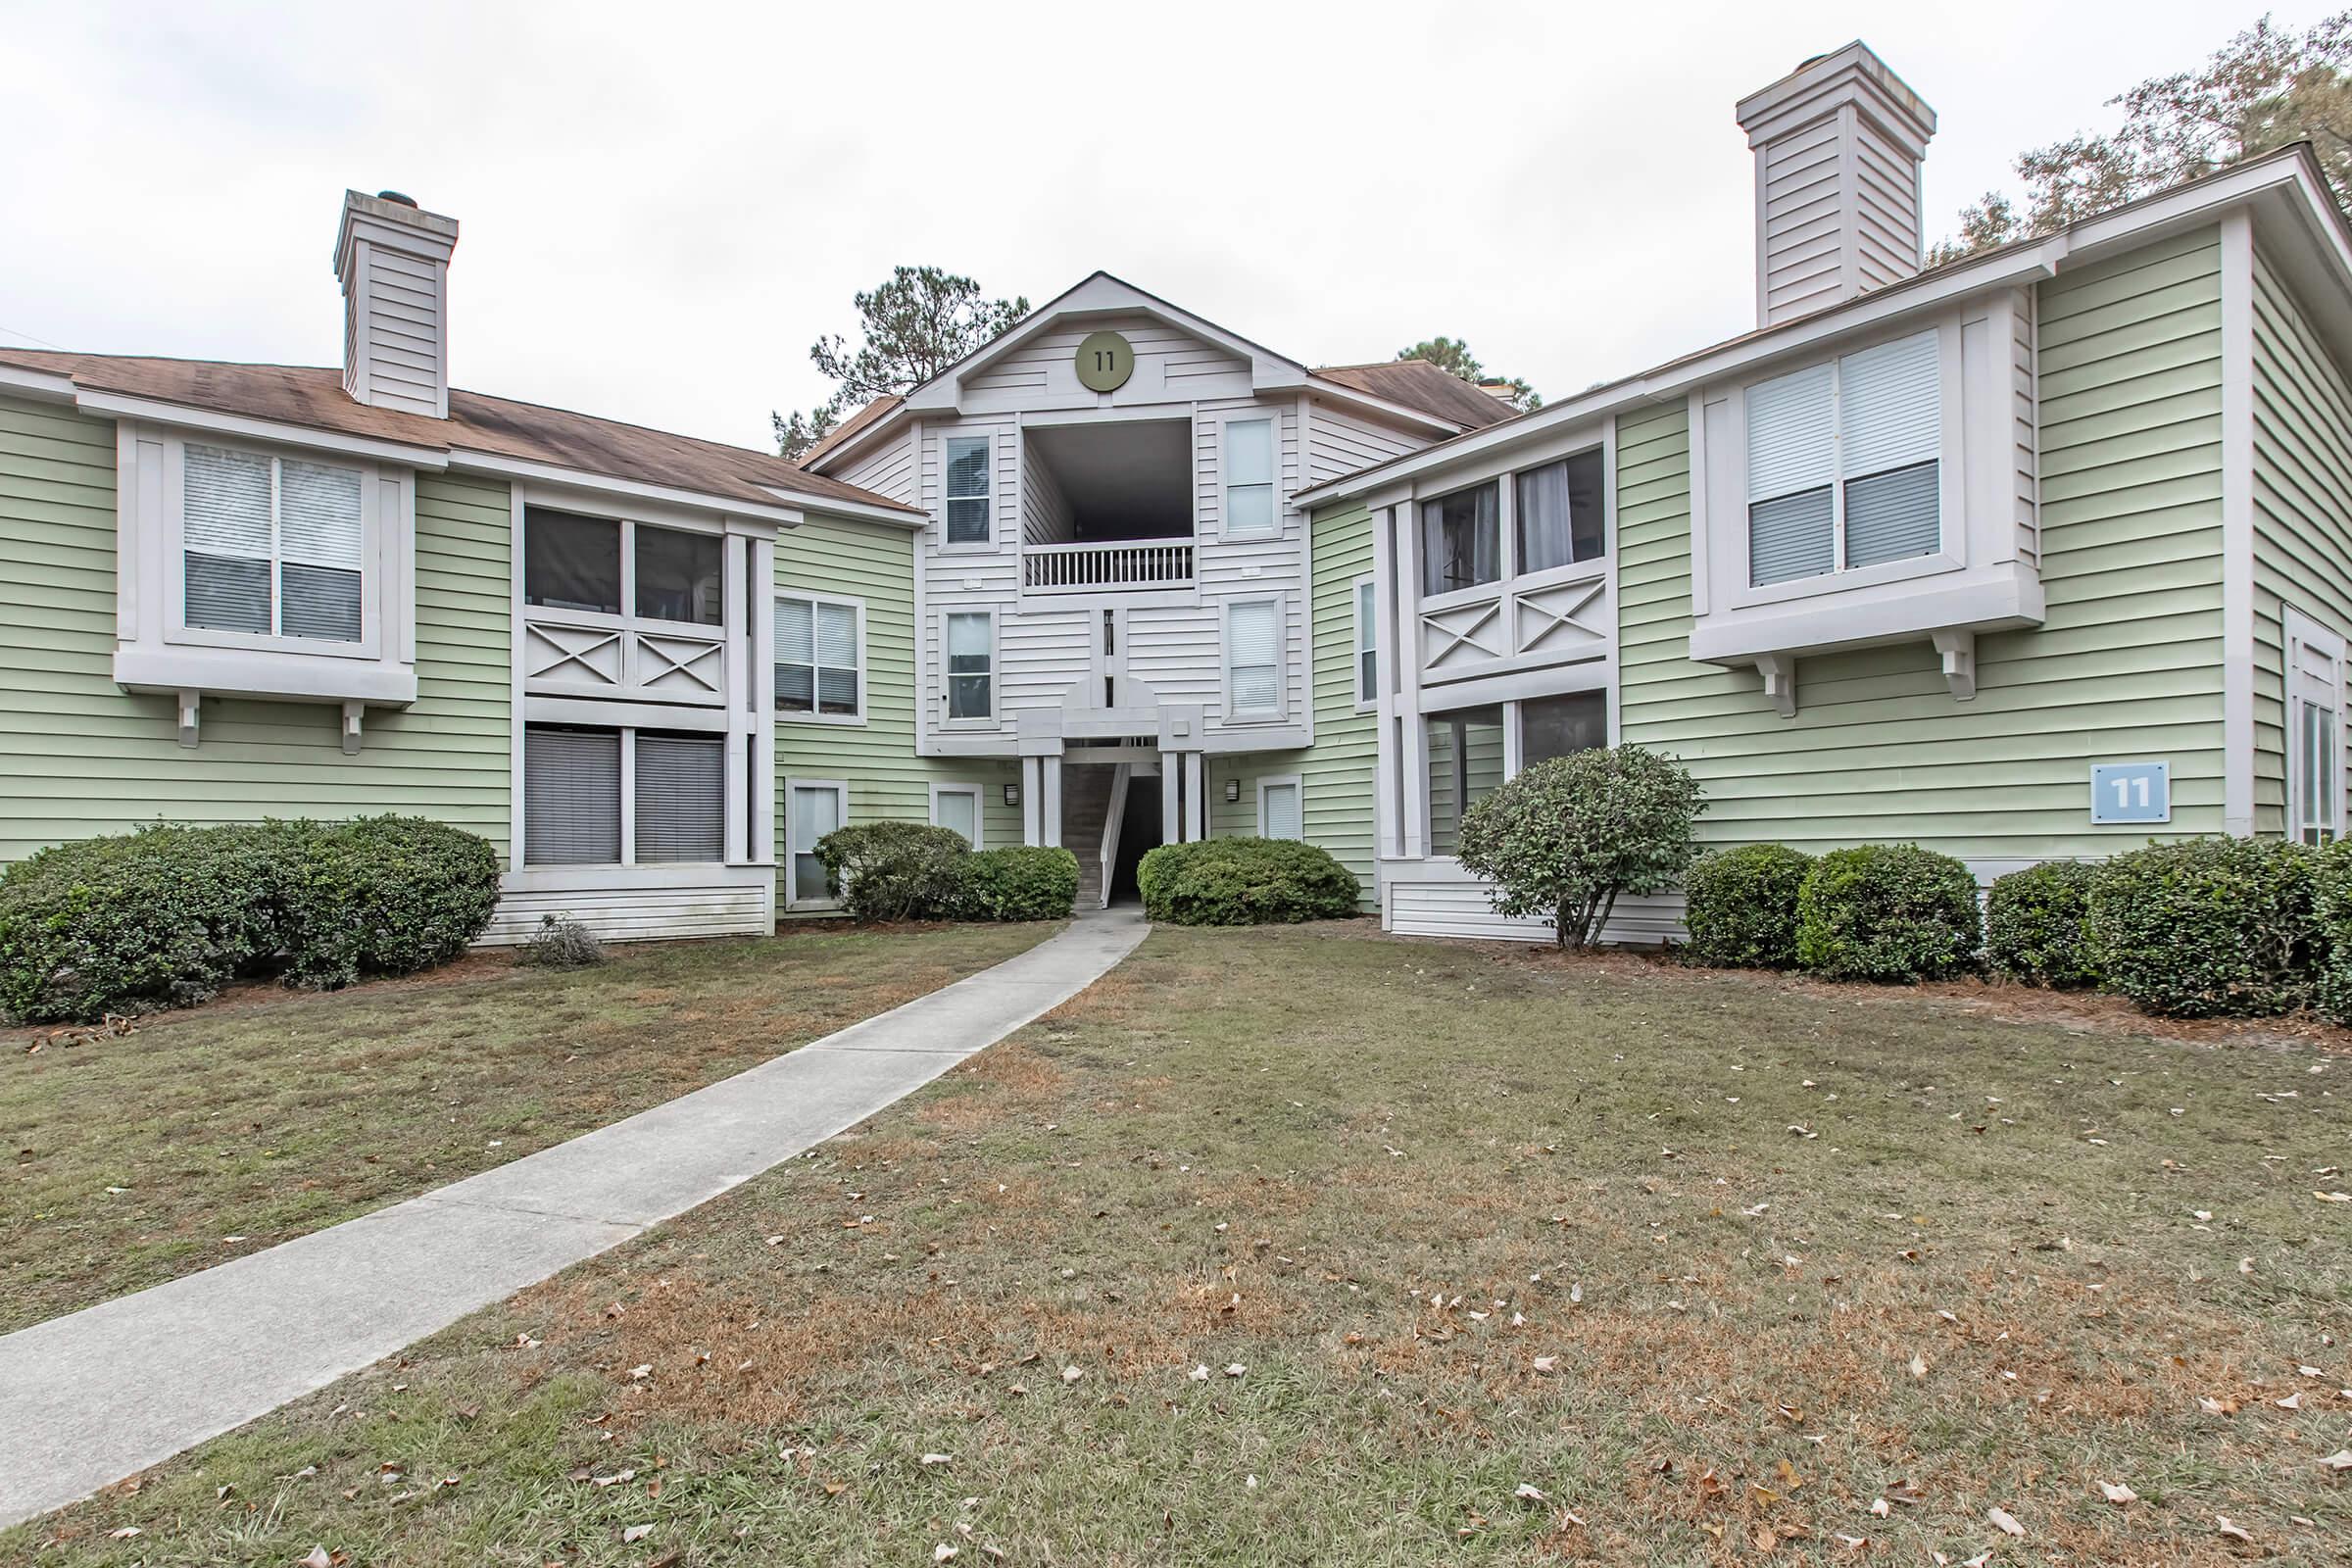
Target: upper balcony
1107,506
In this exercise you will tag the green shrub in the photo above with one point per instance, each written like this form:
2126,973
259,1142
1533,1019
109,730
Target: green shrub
1245,881
1740,906
2037,925
1560,840
166,917
2332,916
895,870
2211,926
1889,912
1021,882
560,943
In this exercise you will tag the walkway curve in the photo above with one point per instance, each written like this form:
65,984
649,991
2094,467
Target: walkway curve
99,1395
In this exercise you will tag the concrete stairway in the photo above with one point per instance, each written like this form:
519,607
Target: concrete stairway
1085,805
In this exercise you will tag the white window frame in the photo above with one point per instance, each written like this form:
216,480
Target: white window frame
793,850
1273,420
996,669
1280,712
979,795
785,716
175,623
1294,781
1364,599
947,442
2299,633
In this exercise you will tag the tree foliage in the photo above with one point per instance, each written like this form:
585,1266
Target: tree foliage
1562,839
1452,356
2263,89
910,328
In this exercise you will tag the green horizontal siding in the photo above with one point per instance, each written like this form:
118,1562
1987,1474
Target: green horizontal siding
887,781
80,756
2128,663
2302,512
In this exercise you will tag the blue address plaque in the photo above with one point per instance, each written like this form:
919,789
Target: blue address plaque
2130,792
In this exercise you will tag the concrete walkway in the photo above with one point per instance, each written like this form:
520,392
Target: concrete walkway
90,1399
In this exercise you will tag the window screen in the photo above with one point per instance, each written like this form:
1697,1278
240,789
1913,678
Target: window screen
1278,805
968,490
970,676
570,797
1461,540
570,562
1560,513
816,656
1249,477
1554,726
678,575
681,797
815,810
1253,657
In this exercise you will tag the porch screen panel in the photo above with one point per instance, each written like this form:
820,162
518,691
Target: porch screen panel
570,797
570,562
1558,726
680,576
1890,438
224,529
1560,517
1461,539
681,804
1254,650
1792,469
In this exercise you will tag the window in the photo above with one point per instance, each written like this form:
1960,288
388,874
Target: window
1466,762
2315,792
678,575
1254,658
957,807
971,638
811,811
1843,463
819,656
1554,726
1367,644
968,521
271,546
1279,813
1249,479
681,797
570,796
570,562
1561,514
1461,539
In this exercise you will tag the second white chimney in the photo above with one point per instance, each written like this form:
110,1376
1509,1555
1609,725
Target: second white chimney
1839,142
393,259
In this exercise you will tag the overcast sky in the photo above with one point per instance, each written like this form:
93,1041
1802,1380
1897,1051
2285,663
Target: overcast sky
664,204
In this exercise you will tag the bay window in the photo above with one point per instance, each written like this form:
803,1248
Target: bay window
1844,463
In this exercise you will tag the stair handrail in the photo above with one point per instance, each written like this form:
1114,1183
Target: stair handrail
1114,814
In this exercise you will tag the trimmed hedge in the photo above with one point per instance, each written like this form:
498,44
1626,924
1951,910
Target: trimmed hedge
895,870
2209,927
165,916
2037,925
1887,911
1245,881
2331,918
1020,882
1740,906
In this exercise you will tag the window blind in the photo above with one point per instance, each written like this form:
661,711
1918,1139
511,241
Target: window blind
968,490
816,656
836,659
1890,437
319,536
1792,468
570,797
1253,655
245,518
1280,804
681,797
1249,477
958,810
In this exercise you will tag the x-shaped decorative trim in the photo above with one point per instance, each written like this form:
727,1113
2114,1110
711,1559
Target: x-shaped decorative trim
562,640
675,664
1555,619
1463,636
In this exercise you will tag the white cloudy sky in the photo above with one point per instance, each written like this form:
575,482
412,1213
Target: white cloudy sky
663,204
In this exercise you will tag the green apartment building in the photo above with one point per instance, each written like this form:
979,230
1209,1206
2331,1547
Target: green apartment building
2039,554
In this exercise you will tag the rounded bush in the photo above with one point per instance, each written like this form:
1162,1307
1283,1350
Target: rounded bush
895,870
1245,881
1020,882
165,916
1560,840
2037,925
1887,913
2210,927
1740,906
2331,918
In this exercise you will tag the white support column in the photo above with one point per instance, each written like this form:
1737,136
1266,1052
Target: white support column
735,666
1171,779
1033,798
2237,524
763,702
1194,805
628,793
1048,806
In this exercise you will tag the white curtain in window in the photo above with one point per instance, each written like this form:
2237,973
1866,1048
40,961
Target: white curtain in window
1254,653
1249,477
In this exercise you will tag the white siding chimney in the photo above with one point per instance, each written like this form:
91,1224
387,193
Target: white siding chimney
393,258
1838,141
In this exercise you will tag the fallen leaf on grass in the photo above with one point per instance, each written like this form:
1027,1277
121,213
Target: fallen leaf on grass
2005,1521
1547,1364
1919,1366
1879,1507
123,1533
938,1458
943,1552
2294,1401
636,1533
1527,1493
2217,1406
2340,1460
1072,1374
317,1558
2118,1493
2334,1198
2221,1522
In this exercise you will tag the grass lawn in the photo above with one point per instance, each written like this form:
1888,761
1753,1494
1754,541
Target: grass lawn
219,1131
1312,1246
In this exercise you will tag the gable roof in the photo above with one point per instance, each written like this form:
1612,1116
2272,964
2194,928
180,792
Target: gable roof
1426,388
313,398
849,430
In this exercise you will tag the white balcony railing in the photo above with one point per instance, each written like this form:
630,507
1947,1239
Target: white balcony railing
1108,568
